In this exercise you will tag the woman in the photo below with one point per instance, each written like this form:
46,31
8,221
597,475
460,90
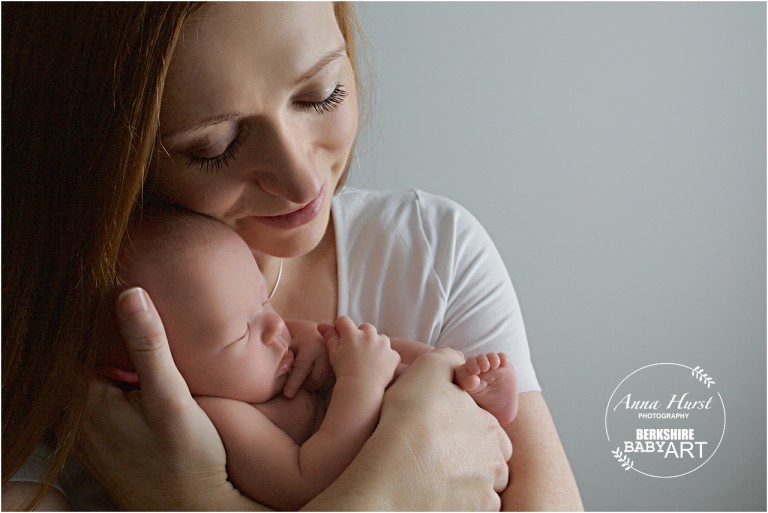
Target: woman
247,113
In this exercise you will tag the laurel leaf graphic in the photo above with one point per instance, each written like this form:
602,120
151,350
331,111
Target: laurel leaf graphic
626,463
702,376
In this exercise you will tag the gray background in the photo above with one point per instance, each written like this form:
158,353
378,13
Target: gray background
616,153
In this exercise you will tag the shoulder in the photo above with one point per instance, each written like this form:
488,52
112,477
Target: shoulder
412,226
352,198
393,211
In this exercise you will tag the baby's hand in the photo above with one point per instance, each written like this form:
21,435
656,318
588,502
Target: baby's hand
311,367
359,351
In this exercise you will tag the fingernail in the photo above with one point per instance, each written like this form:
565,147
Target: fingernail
131,302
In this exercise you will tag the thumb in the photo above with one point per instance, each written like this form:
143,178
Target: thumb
144,337
329,333
442,360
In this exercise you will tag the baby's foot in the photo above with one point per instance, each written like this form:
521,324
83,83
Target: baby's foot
491,381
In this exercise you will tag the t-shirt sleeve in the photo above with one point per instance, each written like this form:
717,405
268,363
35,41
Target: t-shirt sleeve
482,311
36,468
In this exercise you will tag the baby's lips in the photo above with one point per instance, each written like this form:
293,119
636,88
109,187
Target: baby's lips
285,363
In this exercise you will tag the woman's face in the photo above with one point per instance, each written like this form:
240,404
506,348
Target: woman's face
258,117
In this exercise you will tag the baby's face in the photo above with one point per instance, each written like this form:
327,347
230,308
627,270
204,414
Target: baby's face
226,339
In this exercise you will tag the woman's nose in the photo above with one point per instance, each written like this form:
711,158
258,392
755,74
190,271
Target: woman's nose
272,327
284,161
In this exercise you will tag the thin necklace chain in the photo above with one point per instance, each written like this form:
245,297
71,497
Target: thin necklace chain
277,281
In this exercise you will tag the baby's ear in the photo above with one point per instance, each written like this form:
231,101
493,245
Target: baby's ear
124,379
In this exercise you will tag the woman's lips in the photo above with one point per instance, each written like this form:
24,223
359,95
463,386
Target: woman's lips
298,217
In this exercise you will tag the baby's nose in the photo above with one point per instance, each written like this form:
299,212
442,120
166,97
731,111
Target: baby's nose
273,327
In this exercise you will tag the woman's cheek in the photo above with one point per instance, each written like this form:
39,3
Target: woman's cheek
338,132
207,193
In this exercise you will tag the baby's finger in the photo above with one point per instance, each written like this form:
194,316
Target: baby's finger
300,369
368,328
321,372
331,336
345,326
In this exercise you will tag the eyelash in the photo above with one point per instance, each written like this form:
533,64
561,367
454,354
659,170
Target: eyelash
214,164
329,104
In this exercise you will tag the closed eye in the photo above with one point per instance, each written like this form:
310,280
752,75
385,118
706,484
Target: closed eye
245,335
214,164
328,104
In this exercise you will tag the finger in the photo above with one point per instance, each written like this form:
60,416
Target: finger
505,447
299,372
144,337
502,477
493,360
442,362
506,443
321,370
368,328
104,401
345,326
331,336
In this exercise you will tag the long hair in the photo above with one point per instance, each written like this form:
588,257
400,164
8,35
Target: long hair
81,90
81,94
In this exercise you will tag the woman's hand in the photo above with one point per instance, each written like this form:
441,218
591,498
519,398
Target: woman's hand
153,449
434,449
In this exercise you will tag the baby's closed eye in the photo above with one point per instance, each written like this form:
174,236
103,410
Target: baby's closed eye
244,337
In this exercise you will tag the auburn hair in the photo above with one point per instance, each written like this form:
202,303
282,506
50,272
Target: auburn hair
81,91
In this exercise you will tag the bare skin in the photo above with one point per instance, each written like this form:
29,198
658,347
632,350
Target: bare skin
235,354
250,59
488,378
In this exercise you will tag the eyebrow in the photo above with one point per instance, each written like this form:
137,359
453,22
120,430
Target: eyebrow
226,116
323,62
202,123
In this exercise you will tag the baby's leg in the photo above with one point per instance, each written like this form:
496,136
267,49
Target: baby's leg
490,379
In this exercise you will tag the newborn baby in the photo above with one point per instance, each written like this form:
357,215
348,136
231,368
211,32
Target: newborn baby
236,353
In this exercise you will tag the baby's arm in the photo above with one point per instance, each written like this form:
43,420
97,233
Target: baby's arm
267,465
364,364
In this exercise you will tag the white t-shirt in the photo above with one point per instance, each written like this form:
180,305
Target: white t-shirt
415,266
419,266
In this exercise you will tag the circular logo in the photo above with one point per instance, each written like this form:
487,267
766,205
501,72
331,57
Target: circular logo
665,420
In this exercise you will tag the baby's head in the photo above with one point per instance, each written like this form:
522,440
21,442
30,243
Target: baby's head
225,337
